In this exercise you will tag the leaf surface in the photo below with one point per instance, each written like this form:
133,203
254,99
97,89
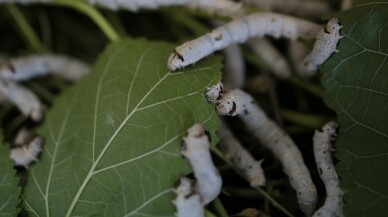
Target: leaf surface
356,82
9,189
113,140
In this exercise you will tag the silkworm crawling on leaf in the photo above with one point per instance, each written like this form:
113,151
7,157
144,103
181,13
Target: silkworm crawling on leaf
25,68
28,153
300,8
24,99
220,7
239,31
262,48
325,45
188,202
196,150
243,160
234,67
323,157
237,102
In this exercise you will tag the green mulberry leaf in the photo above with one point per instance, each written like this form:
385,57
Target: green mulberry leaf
112,141
356,80
9,189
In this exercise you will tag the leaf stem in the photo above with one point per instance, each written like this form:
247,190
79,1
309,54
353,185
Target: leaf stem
94,14
217,152
219,207
25,28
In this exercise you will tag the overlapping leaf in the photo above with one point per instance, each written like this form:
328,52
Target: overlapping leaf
113,140
356,80
9,189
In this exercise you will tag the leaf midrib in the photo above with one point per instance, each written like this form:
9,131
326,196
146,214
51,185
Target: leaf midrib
91,171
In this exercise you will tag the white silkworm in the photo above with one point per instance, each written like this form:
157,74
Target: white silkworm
25,68
297,51
237,102
221,7
325,45
213,93
234,67
323,157
266,51
243,160
300,8
26,154
188,202
24,99
196,150
239,31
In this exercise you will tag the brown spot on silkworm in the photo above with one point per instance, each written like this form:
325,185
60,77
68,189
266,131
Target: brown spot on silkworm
179,55
231,112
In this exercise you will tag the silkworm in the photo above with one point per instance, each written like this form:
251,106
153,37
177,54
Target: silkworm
188,202
262,48
237,102
300,8
25,68
196,151
234,67
220,7
24,99
325,45
26,154
213,93
234,151
239,31
323,158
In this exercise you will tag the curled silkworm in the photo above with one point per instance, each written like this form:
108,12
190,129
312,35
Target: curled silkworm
26,154
24,99
188,202
237,102
300,8
25,68
239,31
323,157
196,150
325,45
266,51
243,160
221,7
234,67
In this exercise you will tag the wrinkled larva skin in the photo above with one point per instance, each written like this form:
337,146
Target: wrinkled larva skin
196,151
323,157
27,154
188,202
239,31
324,47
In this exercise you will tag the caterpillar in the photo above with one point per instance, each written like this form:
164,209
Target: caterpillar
25,68
237,102
262,48
196,150
188,202
323,158
325,45
234,67
234,151
24,99
220,7
26,154
300,8
239,31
